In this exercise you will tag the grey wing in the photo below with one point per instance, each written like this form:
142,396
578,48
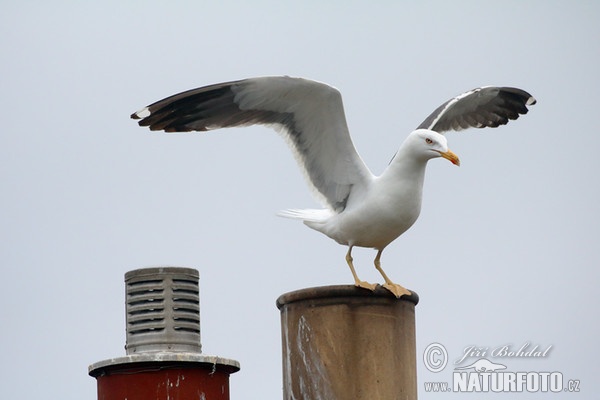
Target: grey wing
308,114
479,108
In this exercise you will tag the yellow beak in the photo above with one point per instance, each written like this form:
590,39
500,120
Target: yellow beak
450,156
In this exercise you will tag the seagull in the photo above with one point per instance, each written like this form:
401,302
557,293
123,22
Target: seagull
361,209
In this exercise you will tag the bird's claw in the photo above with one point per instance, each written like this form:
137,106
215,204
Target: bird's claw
366,285
397,290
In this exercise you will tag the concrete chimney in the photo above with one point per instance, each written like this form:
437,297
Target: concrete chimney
164,359
343,342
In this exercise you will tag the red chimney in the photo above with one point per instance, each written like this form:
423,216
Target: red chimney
164,359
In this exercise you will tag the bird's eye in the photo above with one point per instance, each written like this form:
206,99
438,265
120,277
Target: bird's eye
428,141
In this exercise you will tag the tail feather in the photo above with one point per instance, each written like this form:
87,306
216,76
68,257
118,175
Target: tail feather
310,215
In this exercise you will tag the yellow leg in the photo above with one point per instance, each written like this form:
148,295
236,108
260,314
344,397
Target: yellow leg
396,289
357,282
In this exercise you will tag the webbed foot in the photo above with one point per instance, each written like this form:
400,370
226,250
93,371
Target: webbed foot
365,285
397,290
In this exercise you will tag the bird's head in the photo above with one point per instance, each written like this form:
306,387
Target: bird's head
429,144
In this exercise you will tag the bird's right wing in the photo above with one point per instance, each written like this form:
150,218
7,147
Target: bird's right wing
479,108
309,114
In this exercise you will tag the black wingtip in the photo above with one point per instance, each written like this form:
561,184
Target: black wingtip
141,114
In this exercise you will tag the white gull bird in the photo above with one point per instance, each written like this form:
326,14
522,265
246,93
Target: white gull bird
361,209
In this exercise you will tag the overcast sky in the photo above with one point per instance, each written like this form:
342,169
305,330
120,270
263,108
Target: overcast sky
505,250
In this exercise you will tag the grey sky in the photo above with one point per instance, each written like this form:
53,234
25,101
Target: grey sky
503,253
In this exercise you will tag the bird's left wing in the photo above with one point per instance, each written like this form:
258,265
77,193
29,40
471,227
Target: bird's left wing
309,114
479,108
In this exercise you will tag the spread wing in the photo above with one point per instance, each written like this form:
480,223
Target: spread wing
309,114
479,108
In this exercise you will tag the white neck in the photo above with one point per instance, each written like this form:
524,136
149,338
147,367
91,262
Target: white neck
406,166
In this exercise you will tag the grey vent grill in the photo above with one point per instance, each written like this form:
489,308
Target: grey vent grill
163,310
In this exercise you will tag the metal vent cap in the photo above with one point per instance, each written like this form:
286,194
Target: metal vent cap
162,310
